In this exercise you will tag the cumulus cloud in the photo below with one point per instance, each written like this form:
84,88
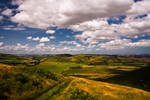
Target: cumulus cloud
124,43
71,43
115,44
13,28
68,42
29,38
35,38
52,37
44,39
95,31
99,30
1,18
68,36
1,43
141,7
19,48
17,2
96,24
91,18
40,45
37,49
26,49
50,32
133,26
141,43
7,12
64,13
75,47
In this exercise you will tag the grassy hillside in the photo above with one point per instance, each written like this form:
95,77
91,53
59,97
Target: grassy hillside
77,77
21,83
135,76
83,89
24,60
10,59
103,60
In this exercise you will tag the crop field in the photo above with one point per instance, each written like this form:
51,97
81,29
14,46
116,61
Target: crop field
76,77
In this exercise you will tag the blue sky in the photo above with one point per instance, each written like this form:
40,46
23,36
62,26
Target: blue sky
51,26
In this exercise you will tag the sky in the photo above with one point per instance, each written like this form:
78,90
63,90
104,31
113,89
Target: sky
75,26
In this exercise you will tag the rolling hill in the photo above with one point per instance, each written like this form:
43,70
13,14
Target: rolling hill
74,77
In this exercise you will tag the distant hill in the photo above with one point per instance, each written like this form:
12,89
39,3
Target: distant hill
24,60
103,59
10,59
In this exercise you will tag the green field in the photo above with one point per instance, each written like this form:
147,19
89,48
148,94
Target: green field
77,77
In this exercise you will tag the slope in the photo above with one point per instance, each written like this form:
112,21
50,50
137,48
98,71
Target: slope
84,89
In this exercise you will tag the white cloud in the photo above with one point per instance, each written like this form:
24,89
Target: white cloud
72,43
40,45
7,12
1,43
14,28
52,37
68,42
115,44
1,18
68,36
17,2
26,49
19,48
63,13
99,30
44,39
90,17
50,32
141,7
96,24
141,43
74,47
132,27
35,38
124,43
95,31
29,38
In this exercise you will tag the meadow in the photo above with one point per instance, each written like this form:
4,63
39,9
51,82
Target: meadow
74,77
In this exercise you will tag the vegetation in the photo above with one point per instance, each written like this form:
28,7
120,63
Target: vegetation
74,77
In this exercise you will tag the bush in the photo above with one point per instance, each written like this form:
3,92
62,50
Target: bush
77,67
78,94
22,78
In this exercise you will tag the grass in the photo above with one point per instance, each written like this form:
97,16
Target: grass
57,67
84,89
78,77
112,74
51,93
137,78
21,83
